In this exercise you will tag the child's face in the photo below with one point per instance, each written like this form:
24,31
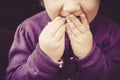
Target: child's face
64,8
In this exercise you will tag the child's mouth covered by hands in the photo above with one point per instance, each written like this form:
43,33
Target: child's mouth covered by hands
79,34
65,17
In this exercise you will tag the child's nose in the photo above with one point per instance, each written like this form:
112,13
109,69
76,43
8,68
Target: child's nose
71,6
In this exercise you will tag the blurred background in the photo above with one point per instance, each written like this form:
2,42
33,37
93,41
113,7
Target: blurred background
13,12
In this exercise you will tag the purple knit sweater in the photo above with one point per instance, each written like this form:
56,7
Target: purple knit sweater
28,62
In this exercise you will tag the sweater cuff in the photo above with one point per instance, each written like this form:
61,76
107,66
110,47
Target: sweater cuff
90,59
42,62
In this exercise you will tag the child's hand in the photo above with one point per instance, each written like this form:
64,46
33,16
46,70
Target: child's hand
80,35
51,39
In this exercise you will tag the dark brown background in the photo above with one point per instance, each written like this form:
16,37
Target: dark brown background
13,12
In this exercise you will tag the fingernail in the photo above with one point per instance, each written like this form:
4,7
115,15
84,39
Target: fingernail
71,15
57,18
83,16
68,20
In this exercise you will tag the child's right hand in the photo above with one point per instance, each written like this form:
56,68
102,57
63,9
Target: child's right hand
51,39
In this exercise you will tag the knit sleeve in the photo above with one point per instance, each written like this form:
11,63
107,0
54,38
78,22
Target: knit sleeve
27,62
103,62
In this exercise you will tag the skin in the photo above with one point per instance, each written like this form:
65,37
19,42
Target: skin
53,35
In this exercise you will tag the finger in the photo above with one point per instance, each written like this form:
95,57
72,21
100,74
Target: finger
70,34
55,26
85,23
73,28
48,26
60,33
68,30
84,19
75,20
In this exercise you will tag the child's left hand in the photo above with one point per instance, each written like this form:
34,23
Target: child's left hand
80,35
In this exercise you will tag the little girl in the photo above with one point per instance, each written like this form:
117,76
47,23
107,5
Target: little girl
70,40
